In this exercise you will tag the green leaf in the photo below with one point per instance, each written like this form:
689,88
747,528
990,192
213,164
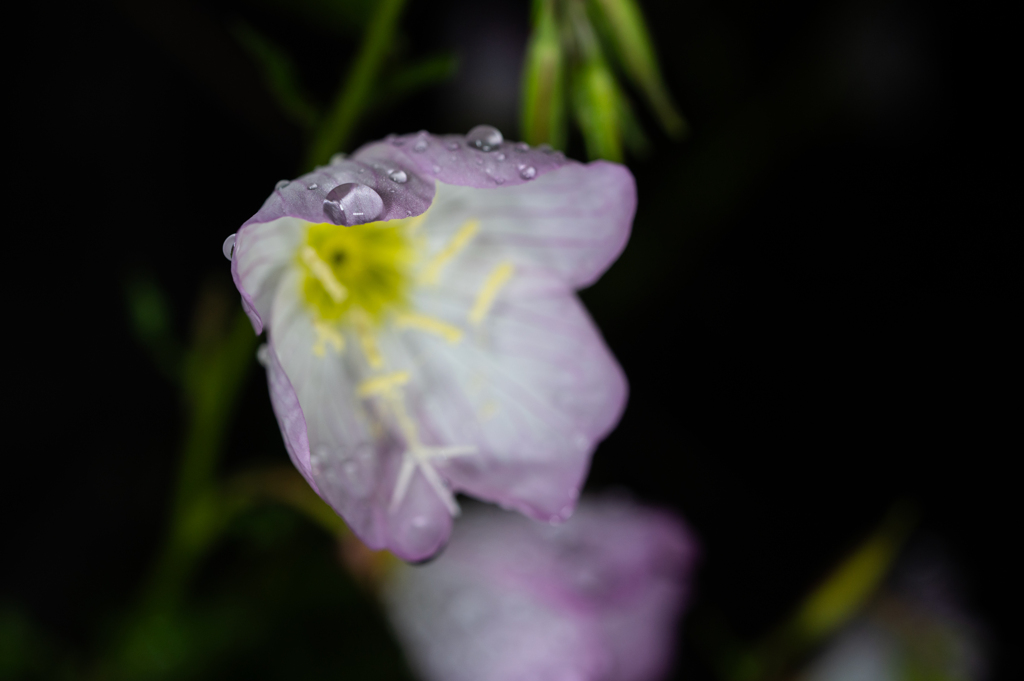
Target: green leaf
543,117
151,324
622,23
280,76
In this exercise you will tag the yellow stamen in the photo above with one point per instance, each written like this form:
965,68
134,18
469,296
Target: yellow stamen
361,322
326,334
498,277
323,273
458,242
422,322
382,385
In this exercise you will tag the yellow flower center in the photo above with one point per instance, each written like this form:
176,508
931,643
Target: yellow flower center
365,267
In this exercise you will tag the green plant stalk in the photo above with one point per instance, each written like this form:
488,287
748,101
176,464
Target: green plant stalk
212,379
351,101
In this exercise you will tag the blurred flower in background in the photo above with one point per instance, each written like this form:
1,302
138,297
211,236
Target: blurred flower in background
595,598
424,334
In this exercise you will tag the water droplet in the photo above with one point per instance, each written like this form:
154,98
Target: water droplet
398,176
263,354
485,137
337,158
452,146
352,204
408,212
281,184
420,146
229,247
312,186
499,180
500,156
522,146
528,173
546,148
437,169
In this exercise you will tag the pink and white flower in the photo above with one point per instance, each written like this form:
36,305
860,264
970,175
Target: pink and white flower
424,336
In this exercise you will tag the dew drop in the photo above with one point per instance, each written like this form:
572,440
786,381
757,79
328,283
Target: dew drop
498,180
281,184
485,137
263,354
546,148
337,158
420,146
398,176
528,173
452,146
522,146
500,156
352,204
437,169
312,186
229,247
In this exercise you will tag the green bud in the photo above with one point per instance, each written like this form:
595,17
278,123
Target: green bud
623,25
543,88
597,105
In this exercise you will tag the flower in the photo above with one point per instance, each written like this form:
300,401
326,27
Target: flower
593,599
424,336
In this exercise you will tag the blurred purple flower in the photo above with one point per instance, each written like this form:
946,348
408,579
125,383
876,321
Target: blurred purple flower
424,335
594,599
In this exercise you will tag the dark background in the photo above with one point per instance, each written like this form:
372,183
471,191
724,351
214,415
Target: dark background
812,310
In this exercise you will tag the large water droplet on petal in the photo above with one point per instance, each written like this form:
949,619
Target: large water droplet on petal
485,137
352,204
229,247
312,186
337,158
398,176
528,173
420,146
281,184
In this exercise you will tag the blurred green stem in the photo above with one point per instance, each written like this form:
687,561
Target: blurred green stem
214,371
351,101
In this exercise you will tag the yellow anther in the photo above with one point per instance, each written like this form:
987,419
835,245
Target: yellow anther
498,277
422,322
327,335
324,274
458,242
382,385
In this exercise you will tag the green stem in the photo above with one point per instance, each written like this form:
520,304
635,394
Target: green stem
351,101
